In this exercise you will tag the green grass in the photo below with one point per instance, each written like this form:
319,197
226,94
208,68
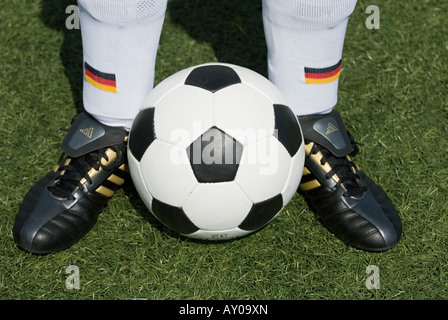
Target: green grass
393,97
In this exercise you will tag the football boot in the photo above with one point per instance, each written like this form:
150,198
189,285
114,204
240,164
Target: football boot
347,202
64,205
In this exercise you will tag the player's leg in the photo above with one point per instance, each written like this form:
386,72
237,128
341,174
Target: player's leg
305,40
120,40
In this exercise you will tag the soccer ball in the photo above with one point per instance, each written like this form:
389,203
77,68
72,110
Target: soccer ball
215,153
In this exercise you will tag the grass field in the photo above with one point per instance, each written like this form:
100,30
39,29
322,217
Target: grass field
393,96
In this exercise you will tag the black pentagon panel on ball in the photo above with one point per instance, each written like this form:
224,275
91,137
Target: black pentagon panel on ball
215,156
212,77
173,217
287,128
142,132
261,213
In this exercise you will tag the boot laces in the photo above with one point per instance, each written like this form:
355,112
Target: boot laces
77,169
343,168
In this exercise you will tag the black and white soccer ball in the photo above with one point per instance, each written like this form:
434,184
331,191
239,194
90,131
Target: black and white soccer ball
215,153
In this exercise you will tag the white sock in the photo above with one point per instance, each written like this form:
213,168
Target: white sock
120,40
305,40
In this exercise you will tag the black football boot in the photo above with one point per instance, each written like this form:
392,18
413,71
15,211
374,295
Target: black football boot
348,203
64,205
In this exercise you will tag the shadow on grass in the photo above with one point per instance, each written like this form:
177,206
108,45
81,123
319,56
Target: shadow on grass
54,16
233,28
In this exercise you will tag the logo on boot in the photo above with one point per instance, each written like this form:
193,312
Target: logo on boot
88,132
331,128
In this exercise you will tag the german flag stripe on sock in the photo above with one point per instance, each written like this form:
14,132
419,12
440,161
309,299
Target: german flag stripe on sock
100,80
323,75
